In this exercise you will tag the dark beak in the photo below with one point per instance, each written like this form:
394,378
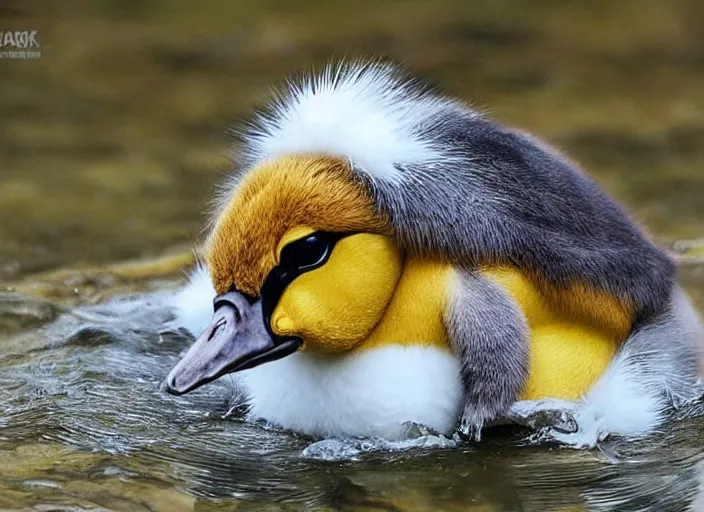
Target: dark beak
235,340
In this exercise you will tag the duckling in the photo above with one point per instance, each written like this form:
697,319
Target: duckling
383,254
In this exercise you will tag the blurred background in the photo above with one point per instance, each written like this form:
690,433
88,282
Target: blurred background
111,143
113,140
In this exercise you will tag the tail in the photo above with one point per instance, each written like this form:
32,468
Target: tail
658,369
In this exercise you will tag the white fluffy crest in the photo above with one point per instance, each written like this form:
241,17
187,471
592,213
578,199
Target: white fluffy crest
367,113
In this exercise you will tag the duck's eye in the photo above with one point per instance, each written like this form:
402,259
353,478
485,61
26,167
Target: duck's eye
306,252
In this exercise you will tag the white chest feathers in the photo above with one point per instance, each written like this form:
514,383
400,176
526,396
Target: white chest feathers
369,393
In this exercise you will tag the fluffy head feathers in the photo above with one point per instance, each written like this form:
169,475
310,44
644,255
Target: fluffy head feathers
369,114
306,190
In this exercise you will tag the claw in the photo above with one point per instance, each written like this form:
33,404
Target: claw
471,430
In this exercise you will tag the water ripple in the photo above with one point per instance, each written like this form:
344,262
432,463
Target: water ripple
83,418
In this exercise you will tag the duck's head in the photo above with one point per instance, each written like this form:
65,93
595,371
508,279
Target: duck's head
301,260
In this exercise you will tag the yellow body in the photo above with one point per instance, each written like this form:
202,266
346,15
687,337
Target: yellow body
567,353
415,314
335,307
367,296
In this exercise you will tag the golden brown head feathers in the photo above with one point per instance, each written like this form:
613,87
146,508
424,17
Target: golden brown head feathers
302,190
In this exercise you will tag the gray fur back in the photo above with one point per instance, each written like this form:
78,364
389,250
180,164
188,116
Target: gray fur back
510,200
459,187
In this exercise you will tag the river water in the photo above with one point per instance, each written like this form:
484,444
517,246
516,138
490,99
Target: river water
112,142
